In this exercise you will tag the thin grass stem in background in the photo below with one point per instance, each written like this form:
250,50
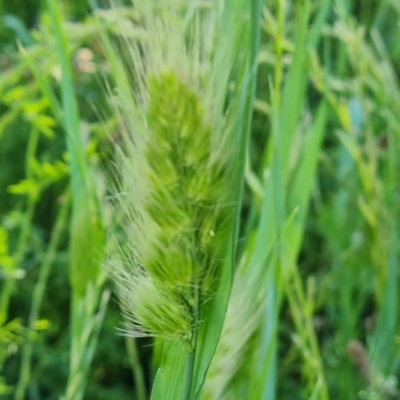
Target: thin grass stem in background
39,292
86,234
137,371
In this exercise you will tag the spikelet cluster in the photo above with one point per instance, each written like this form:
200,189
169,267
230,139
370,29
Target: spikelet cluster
173,172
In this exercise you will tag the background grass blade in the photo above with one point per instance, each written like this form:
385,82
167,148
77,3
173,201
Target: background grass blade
87,236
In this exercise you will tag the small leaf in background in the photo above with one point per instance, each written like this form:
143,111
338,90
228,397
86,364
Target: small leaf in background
7,263
28,187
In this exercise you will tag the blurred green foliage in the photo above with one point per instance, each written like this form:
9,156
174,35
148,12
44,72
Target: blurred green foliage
348,262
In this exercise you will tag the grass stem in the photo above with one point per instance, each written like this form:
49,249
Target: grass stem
192,355
38,295
136,368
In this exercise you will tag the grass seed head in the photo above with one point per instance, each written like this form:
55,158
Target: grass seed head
173,168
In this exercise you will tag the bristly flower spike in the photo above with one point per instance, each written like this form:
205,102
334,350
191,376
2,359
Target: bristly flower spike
174,166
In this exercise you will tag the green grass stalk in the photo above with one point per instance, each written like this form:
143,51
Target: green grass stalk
137,371
280,35
86,231
38,295
192,354
192,286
